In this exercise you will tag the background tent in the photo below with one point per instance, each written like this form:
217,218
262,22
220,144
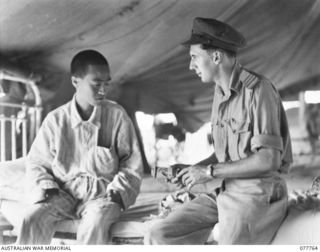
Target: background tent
141,39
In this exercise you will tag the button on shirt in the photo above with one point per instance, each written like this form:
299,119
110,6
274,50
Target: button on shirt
249,117
103,150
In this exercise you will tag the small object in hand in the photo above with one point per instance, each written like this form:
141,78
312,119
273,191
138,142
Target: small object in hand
170,172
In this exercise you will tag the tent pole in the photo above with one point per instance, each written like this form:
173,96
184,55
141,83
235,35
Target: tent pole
302,112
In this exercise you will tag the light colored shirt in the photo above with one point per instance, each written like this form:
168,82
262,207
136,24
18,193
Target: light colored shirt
249,117
101,153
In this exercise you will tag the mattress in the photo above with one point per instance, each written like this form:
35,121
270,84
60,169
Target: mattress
129,229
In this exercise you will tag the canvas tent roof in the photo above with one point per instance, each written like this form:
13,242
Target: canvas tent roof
141,39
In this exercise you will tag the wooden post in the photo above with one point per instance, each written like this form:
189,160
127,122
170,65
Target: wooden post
3,137
302,114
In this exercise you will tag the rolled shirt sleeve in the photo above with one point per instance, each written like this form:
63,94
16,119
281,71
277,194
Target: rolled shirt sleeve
266,114
267,141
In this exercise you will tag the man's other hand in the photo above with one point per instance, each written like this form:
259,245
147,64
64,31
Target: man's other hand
115,196
40,195
51,192
196,174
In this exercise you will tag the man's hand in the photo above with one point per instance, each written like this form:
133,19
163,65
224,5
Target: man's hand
196,174
115,196
42,195
51,192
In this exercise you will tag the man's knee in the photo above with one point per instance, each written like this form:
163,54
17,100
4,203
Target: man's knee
95,220
100,218
32,216
235,232
95,225
157,233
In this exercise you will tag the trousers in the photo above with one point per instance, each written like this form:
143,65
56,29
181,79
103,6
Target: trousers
37,225
249,211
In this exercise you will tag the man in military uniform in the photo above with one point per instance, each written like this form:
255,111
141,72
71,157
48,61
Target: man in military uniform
252,146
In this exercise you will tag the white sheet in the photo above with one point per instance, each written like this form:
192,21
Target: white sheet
131,223
12,179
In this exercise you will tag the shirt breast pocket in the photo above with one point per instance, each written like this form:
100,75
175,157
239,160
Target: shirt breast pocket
240,138
103,162
219,141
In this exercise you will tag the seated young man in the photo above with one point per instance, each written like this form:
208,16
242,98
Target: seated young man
85,162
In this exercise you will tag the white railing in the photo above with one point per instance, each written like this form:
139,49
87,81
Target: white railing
17,131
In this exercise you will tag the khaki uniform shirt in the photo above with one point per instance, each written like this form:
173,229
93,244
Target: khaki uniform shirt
249,117
86,158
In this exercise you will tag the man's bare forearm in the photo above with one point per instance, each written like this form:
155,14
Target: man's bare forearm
258,164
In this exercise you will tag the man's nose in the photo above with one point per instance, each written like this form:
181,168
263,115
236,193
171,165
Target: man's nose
102,90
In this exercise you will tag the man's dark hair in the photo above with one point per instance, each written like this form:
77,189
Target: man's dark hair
83,59
210,47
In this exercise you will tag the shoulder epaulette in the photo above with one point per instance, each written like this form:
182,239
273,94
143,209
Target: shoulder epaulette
248,79
111,102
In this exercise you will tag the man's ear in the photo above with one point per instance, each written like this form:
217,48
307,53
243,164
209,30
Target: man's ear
217,57
74,81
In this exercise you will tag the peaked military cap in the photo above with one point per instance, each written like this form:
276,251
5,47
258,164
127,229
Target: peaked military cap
216,33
